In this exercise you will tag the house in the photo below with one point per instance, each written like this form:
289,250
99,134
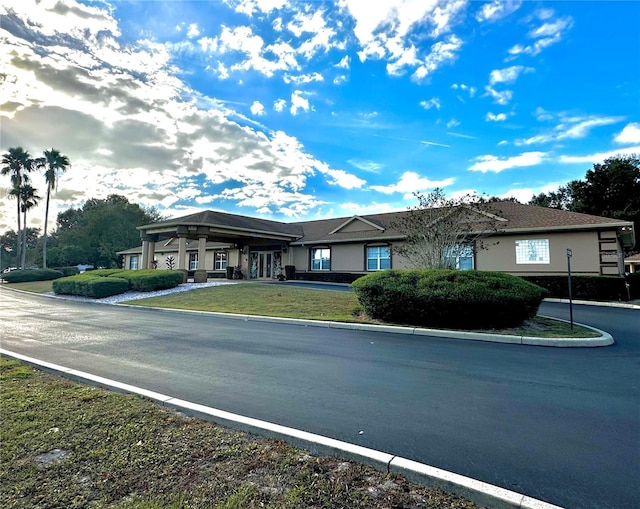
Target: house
525,240
632,264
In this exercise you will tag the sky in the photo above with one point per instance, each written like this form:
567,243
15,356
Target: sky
305,110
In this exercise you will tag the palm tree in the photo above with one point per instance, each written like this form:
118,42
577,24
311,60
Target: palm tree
55,163
28,199
16,163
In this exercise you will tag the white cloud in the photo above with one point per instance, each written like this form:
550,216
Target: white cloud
357,209
467,88
298,102
545,35
500,117
434,102
193,31
496,9
303,78
630,134
344,63
499,97
249,7
508,75
385,31
411,182
600,156
452,123
345,180
279,105
257,108
568,128
370,166
496,164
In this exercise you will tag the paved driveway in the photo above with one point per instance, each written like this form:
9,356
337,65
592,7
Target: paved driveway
561,425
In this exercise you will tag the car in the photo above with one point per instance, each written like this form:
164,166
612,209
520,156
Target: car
9,269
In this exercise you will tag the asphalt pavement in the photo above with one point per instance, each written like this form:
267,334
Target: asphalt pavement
561,425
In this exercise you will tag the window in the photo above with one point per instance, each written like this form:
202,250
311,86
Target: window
220,262
133,262
532,251
321,259
193,261
459,257
378,258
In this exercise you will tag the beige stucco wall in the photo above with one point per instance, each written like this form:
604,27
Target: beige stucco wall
500,254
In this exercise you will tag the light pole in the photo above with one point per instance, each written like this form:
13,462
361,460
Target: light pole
569,254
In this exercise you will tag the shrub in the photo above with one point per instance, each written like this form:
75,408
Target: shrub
23,276
634,285
151,280
449,298
88,285
582,287
137,280
68,271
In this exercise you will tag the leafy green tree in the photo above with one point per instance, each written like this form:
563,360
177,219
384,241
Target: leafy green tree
17,163
54,163
99,229
9,246
610,189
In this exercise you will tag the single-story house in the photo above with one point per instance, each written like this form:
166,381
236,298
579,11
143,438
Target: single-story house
526,240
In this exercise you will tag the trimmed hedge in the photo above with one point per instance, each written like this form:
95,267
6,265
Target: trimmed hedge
136,280
449,298
68,271
90,286
634,285
23,276
583,287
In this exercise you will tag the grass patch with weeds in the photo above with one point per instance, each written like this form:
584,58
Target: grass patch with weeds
63,444
32,286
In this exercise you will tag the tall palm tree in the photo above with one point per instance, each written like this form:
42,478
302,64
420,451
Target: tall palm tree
28,199
54,163
16,163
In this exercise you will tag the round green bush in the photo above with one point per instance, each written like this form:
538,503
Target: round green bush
23,276
449,298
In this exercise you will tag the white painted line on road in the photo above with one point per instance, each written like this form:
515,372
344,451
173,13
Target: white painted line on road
479,492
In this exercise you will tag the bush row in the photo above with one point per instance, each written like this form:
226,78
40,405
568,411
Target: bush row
136,280
449,298
68,271
587,287
87,285
23,276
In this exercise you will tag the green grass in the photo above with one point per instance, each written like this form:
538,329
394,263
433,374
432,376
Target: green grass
264,299
32,286
63,444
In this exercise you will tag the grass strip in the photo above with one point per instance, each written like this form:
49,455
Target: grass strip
63,444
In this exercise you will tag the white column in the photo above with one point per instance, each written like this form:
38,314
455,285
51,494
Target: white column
151,255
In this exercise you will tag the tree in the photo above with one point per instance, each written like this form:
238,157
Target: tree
9,245
17,163
100,229
28,199
54,163
610,189
440,231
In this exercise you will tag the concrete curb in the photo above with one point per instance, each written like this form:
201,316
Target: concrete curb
476,491
624,305
605,339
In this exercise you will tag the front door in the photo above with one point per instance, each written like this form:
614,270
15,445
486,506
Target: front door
264,264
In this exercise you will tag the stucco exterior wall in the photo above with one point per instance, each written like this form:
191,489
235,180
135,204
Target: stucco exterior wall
500,254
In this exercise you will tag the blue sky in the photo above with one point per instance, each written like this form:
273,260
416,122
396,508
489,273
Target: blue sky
316,109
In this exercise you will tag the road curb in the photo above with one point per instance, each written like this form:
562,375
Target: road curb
605,339
624,305
476,491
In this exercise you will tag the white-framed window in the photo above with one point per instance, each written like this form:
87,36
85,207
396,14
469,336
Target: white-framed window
220,262
378,258
532,251
459,257
193,261
133,262
321,258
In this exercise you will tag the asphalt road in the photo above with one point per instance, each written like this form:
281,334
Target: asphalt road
561,425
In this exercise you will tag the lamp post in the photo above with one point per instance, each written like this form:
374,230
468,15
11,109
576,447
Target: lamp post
569,254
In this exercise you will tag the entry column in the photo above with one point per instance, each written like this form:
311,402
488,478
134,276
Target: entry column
182,252
202,251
